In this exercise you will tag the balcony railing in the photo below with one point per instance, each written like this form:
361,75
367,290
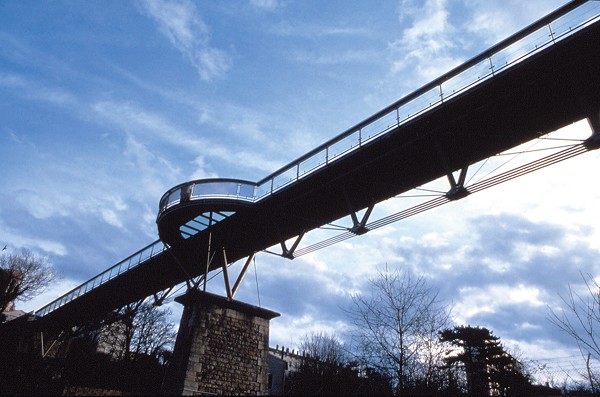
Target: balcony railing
209,188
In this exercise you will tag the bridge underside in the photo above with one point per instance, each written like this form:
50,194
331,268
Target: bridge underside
541,94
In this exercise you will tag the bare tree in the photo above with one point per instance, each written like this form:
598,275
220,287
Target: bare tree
22,276
143,330
579,318
324,347
397,325
152,331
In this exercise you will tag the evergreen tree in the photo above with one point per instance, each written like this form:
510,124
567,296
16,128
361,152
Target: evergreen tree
489,370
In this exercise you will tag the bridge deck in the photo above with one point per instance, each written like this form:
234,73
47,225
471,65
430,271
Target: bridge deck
555,87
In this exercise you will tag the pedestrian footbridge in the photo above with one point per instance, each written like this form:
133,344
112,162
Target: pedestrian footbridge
534,82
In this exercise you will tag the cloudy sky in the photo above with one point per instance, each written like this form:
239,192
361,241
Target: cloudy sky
105,105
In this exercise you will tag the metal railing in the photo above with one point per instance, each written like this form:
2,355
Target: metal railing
540,35
544,33
125,265
209,188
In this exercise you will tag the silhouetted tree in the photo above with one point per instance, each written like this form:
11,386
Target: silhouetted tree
323,347
397,324
22,276
489,370
128,351
323,369
579,318
319,378
143,330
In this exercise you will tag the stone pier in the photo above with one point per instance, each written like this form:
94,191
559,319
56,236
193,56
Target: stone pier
222,347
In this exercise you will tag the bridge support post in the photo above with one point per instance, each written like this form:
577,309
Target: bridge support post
594,121
222,347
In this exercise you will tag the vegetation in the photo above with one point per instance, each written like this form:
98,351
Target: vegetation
323,347
579,318
397,324
22,276
403,344
324,370
478,358
142,330
128,352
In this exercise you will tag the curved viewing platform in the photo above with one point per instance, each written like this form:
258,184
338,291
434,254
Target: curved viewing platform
217,188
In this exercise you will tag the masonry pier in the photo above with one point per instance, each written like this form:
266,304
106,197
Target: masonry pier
222,347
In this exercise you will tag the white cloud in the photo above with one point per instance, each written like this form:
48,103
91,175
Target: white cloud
40,207
201,169
290,331
488,299
111,217
425,45
493,21
51,247
303,29
131,117
180,22
335,57
142,125
37,91
15,239
265,4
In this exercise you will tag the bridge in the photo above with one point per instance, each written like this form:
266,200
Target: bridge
540,79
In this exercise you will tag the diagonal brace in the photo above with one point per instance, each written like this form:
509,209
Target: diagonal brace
289,253
241,275
158,300
359,227
232,291
457,188
226,276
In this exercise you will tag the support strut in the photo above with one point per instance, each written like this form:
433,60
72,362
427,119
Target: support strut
226,276
232,291
242,274
593,142
189,281
159,300
457,188
289,253
358,227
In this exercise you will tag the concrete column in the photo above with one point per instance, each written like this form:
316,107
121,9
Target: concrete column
222,347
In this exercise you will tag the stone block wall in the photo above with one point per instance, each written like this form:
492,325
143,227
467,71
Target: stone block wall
222,347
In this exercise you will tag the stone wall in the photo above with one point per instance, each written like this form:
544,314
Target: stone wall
222,347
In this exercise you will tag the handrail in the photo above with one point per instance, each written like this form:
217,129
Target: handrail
539,35
562,11
126,264
432,94
203,188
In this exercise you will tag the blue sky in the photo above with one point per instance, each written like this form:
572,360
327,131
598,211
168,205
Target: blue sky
106,105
